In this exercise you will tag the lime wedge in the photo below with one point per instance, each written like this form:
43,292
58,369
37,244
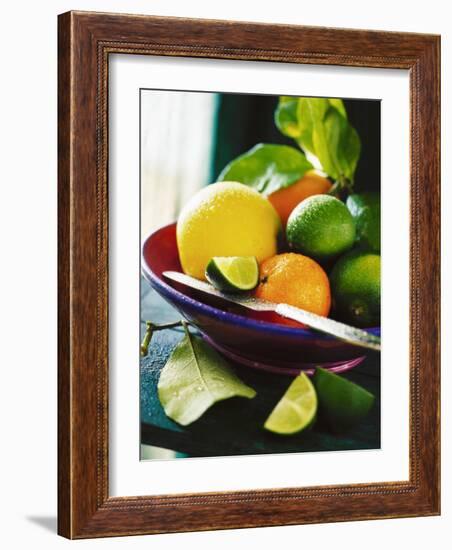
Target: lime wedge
296,410
233,273
341,402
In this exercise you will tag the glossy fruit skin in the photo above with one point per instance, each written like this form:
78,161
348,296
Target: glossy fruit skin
355,285
216,278
342,403
296,280
321,227
366,211
286,199
250,337
225,219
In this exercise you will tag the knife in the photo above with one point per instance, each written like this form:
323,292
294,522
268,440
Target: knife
344,332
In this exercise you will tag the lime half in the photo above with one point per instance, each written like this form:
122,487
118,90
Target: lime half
341,402
233,273
296,410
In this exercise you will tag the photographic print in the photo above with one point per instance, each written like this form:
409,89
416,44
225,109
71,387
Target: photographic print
260,290
219,274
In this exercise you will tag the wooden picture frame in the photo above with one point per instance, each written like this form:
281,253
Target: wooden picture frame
85,42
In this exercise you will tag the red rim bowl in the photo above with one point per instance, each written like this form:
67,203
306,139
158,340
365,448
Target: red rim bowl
247,336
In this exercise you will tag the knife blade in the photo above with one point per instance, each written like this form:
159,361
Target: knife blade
347,333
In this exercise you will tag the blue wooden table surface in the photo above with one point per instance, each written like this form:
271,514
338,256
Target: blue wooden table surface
234,426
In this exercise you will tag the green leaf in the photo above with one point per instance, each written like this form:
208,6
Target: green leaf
267,168
308,110
321,128
343,143
338,104
322,141
286,119
194,378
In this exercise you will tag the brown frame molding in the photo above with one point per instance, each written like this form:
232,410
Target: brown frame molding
85,41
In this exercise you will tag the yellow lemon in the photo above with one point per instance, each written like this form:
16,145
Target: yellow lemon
225,219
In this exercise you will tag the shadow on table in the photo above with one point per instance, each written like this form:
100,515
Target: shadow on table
49,523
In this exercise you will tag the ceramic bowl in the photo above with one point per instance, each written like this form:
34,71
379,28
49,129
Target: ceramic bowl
247,337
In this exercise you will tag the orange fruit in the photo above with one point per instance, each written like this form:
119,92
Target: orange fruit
296,280
285,200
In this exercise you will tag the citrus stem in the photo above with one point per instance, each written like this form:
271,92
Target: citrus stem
185,327
341,188
150,329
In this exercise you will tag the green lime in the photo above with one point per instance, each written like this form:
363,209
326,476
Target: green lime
296,409
233,273
365,209
321,227
355,286
341,402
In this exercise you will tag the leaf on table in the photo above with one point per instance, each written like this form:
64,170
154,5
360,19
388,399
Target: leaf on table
267,167
194,378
